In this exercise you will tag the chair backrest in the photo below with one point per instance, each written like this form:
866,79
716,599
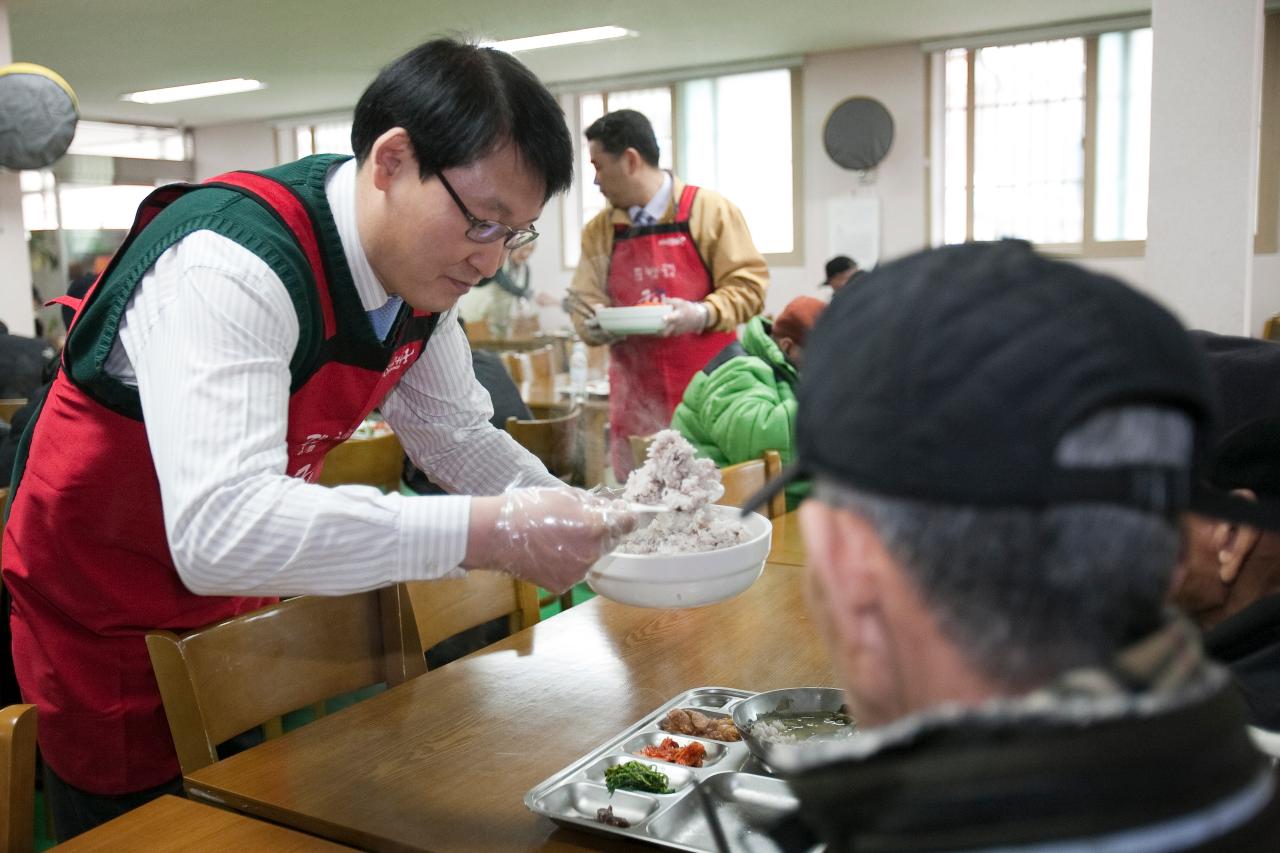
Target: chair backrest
478,330
597,360
640,447
10,405
373,461
443,608
525,327
550,439
17,778
541,364
225,679
514,362
1271,328
744,479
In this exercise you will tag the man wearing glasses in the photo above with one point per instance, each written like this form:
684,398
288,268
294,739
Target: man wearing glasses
244,329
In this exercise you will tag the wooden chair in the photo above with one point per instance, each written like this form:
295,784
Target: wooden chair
479,331
598,361
640,448
1271,328
9,406
514,362
225,679
373,461
440,609
525,327
552,440
541,365
18,782
744,479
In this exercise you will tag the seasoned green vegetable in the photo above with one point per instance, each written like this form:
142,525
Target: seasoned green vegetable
635,776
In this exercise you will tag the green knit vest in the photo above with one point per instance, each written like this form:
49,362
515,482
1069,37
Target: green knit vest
245,221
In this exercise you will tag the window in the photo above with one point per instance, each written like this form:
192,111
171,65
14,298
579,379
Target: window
143,142
701,126
303,140
77,211
1048,141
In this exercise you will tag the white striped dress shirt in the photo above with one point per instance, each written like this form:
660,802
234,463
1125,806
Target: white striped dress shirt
207,339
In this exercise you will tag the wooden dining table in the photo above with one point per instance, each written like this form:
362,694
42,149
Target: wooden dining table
172,823
443,761
787,545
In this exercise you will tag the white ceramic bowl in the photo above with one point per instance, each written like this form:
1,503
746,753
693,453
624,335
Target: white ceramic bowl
633,320
685,580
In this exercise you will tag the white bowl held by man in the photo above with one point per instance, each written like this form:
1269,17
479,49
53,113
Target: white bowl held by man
686,580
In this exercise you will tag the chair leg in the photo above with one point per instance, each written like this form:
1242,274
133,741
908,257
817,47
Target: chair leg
566,600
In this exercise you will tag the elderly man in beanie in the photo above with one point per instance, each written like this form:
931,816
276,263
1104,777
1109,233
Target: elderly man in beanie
1230,573
1002,446
743,402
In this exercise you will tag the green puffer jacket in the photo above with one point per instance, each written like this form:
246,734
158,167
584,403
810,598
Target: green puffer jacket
742,404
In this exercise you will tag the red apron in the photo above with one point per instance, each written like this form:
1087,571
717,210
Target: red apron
87,560
648,375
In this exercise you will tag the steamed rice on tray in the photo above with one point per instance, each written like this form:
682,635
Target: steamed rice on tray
675,477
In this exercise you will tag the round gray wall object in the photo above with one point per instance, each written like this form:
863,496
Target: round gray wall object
37,120
858,133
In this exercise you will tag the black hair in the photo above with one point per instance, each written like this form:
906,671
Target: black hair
458,103
622,129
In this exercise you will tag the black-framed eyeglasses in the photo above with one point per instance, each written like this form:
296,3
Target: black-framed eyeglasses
488,230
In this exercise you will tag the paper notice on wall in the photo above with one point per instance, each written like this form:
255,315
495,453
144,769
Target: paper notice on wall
853,229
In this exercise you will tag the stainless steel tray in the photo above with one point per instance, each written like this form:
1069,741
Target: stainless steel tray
741,789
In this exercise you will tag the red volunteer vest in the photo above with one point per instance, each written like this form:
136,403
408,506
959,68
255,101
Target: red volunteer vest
648,375
85,553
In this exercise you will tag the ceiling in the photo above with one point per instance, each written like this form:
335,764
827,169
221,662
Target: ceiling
317,56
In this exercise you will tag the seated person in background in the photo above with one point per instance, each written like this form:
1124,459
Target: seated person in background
840,271
505,296
505,397
22,361
743,402
1230,580
991,539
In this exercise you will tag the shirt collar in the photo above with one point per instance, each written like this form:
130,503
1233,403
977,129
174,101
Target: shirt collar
340,190
657,206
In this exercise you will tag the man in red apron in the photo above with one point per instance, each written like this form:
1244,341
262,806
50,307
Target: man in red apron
660,240
248,325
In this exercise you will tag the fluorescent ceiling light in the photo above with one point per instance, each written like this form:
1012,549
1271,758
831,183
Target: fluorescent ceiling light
560,39
193,91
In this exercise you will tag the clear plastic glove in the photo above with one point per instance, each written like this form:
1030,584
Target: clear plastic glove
548,536
686,318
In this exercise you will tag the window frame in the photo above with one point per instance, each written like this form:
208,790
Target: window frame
571,213
1265,239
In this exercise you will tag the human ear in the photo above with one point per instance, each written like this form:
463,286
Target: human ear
631,160
392,156
1233,543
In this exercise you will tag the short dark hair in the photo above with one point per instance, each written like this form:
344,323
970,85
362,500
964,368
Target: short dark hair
622,129
458,103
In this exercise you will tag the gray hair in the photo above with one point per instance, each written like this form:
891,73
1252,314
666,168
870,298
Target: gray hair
1029,593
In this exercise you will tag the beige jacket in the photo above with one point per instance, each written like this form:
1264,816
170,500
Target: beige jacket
739,275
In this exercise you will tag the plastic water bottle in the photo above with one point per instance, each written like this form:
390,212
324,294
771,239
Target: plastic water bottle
578,369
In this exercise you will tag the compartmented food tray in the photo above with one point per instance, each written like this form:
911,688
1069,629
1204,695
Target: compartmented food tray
742,792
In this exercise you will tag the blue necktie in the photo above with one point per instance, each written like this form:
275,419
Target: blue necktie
382,318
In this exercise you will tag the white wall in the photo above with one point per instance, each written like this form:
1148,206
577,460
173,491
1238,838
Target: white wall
225,147
15,262
1206,81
